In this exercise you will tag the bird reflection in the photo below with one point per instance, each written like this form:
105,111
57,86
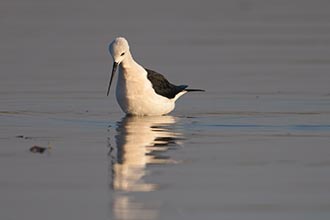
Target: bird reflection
139,142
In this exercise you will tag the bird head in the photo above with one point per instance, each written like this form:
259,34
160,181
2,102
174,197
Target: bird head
119,49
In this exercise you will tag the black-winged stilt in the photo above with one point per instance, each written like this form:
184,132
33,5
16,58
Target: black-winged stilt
141,91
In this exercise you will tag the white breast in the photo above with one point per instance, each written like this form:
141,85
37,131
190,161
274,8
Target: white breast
136,96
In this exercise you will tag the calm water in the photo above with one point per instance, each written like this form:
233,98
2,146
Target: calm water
255,145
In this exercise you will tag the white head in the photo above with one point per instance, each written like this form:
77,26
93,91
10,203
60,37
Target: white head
119,50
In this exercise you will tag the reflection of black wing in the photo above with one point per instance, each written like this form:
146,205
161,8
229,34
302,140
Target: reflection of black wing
162,86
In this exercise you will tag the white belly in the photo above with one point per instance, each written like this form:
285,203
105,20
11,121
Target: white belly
136,96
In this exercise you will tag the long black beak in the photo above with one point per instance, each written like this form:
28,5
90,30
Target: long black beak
114,68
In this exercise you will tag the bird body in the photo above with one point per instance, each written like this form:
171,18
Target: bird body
141,91
136,96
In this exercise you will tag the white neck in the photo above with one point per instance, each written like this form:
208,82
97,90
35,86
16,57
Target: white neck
128,62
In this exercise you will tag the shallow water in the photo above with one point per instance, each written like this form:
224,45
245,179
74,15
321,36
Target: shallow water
255,145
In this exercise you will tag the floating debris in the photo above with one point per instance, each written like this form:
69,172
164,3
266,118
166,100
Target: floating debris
23,137
39,149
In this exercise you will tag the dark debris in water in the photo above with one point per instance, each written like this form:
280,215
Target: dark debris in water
23,137
38,149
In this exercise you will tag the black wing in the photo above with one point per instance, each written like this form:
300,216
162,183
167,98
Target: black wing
162,86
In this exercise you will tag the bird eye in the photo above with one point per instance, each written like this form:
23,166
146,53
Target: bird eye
122,54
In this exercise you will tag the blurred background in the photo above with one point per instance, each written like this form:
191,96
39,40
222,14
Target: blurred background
60,48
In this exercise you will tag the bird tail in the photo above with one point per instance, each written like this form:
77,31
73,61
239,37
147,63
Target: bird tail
187,90
195,90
